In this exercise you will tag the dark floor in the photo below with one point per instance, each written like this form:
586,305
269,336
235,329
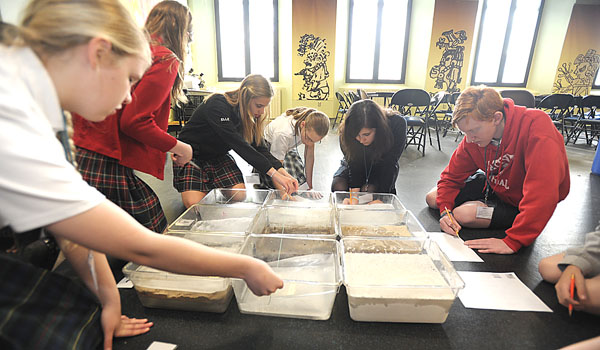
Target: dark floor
464,328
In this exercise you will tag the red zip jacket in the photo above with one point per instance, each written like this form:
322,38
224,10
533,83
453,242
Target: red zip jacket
137,134
531,166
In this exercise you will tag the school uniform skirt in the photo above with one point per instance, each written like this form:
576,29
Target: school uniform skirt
293,164
40,309
120,185
221,172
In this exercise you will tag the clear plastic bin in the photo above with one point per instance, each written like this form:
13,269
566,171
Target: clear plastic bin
166,290
378,223
298,221
236,197
393,280
309,268
367,200
306,199
215,218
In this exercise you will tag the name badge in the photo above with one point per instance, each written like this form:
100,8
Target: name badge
252,179
365,198
484,213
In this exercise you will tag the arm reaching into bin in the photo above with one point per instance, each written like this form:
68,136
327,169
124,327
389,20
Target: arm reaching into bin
162,252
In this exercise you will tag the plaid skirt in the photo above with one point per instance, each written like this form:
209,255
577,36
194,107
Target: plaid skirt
44,310
120,185
221,172
292,163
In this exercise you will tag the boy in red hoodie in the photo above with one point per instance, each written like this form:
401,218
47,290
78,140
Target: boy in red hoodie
520,166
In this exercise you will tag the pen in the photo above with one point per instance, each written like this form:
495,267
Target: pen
572,292
451,219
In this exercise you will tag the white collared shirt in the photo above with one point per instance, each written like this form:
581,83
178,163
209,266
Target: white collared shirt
280,134
38,186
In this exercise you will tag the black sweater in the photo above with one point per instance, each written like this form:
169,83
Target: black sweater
216,127
384,171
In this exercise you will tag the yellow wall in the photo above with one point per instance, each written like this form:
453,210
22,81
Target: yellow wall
580,56
553,29
457,16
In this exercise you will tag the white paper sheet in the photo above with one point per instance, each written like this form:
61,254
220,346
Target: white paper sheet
454,247
125,283
159,345
498,291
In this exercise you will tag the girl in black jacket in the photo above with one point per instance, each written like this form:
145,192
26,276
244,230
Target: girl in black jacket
233,120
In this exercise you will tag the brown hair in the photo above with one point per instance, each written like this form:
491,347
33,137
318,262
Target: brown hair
315,120
170,24
253,86
366,114
480,102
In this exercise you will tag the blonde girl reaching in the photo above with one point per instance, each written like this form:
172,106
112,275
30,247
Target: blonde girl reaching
235,121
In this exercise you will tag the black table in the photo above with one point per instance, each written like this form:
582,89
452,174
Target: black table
464,328
382,94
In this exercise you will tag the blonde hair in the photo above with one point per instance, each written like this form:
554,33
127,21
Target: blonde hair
253,86
480,102
169,24
50,27
315,120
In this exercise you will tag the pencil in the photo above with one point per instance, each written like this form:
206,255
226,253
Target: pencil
572,292
451,219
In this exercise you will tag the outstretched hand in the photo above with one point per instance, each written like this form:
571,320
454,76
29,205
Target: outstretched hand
489,245
121,327
261,279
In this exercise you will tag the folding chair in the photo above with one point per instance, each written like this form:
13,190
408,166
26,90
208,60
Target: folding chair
413,104
520,97
558,107
589,121
435,102
342,109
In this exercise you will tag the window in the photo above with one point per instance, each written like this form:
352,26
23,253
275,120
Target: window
507,36
377,41
247,43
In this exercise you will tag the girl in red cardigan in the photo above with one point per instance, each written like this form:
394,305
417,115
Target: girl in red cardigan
135,137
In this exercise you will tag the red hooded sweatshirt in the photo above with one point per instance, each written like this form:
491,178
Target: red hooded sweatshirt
531,166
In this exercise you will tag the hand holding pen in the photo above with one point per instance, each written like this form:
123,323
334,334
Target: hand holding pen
448,223
570,288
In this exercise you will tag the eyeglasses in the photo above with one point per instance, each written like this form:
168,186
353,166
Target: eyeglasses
308,138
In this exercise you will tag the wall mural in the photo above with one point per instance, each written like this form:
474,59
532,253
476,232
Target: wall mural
447,74
577,78
315,72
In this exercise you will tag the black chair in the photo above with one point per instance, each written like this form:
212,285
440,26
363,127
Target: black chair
413,104
520,97
342,109
589,121
352,97
362,94
432,115
558,107
446,122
